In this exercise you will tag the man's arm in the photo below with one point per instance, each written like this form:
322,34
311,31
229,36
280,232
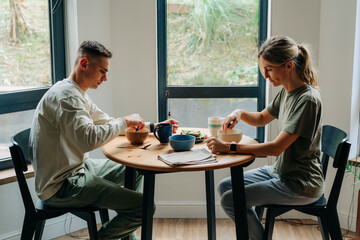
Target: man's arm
150,125
77,126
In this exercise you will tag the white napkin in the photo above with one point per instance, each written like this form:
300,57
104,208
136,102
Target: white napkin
196,156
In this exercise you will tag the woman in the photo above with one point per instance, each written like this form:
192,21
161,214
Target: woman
296,177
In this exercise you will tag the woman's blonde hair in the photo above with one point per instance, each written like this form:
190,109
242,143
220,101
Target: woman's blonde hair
281,49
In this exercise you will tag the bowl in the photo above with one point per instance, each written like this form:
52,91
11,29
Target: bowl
232,135
136,137
182,142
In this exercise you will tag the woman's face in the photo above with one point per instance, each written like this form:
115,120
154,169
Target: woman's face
275,73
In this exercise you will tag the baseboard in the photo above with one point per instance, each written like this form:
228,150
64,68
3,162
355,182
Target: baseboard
346,220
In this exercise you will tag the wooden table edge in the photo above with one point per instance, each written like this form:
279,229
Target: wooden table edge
242,158
185,168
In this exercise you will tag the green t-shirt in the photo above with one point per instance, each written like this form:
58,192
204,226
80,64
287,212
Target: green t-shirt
299,166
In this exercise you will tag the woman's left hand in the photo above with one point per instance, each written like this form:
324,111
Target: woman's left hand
216,145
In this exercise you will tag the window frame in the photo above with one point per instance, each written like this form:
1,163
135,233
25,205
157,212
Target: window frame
23,100
165,91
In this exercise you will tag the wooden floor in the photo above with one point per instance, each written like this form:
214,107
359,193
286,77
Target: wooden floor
195,229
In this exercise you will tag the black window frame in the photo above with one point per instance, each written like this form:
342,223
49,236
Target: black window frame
23,100
165,92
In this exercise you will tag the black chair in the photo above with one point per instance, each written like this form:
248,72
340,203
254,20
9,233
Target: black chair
35,216
334,144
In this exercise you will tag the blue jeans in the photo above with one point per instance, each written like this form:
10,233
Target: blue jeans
261,188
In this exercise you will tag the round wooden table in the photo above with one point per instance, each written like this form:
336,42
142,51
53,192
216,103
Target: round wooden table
146,162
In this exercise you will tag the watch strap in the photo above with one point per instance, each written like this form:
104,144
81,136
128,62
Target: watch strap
151,126
233,146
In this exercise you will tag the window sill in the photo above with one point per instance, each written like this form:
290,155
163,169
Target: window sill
9,176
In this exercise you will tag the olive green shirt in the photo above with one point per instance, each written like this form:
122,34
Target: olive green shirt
299,166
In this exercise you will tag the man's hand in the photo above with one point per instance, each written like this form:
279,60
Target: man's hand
216,145
134,121
174,122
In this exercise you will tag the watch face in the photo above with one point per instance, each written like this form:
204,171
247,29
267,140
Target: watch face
233,147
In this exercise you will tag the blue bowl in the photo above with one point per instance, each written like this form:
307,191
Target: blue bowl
182,142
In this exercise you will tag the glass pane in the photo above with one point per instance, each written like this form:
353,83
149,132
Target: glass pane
11,124
24,45
194,112
212,42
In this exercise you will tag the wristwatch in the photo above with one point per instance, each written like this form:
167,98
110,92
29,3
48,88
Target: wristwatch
233,146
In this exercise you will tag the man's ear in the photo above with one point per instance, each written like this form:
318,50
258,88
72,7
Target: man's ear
84,63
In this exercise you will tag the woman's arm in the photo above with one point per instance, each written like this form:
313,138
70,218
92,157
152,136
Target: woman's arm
257,119
273,148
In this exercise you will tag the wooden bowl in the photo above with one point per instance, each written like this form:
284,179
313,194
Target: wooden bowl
136,137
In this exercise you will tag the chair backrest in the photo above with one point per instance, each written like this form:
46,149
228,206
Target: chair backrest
20,157
335,145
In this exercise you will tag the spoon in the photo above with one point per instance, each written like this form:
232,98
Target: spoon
142,147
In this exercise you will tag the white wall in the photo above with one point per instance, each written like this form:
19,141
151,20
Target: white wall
337,33
128,29
133,37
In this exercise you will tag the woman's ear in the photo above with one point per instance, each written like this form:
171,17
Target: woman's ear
289,65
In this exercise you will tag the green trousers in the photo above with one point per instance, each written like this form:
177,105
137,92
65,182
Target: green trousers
101,186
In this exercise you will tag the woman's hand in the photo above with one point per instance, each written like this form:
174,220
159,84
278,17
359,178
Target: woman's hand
231,120
174,122
216,145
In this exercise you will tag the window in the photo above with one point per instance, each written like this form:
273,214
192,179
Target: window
207,59
32,58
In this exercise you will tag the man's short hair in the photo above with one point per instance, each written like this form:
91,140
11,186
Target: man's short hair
92,49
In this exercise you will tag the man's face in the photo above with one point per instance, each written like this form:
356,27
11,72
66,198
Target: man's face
95,71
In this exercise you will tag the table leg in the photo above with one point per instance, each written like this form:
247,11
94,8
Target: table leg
210,204
148,206
129,184
241,224
129,178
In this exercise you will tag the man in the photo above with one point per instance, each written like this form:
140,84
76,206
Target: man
66,126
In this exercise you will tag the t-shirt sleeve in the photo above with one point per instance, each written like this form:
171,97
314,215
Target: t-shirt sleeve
274,106
304,119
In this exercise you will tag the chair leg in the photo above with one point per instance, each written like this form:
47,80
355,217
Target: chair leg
259,211
39,229
104,215
269,224
89,217
92,227
323,228
28,229
333,225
